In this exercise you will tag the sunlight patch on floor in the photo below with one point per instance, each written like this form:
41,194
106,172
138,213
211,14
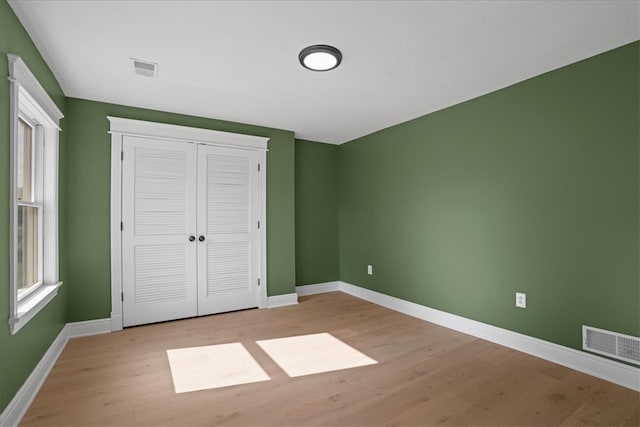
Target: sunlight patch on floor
213,366
313,354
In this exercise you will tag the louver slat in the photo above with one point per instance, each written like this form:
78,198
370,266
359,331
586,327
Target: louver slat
228,194
160,189
160,273
228,265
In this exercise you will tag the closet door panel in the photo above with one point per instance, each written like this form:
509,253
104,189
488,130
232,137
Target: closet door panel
228,222
159,215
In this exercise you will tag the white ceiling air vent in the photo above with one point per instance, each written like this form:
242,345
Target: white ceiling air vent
145,68
612,344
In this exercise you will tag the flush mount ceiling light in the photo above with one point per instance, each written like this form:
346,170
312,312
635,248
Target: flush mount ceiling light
320,57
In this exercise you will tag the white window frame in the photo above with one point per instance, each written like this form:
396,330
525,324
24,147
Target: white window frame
31,102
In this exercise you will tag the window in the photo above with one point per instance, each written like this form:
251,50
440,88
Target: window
34,186
29,206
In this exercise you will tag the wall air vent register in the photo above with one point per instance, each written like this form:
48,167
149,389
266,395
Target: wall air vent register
612,344
145,68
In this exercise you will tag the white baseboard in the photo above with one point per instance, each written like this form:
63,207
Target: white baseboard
318,288
88,327
116,322
606,369
13,413
282,300
263,302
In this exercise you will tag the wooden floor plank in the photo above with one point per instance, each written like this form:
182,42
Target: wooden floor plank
426,375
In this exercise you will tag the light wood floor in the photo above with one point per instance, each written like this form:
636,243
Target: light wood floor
426,375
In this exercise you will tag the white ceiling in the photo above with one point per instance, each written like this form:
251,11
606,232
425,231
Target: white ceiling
238,60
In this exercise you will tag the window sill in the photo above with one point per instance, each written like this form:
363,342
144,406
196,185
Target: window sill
31,305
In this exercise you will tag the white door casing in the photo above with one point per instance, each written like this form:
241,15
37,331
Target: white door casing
241,161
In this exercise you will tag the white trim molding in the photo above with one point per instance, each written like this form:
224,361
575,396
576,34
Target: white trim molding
13,413
317,288
116,233
606,369
263,301
36,302
15,410
282,300
183,133
88,328
20,73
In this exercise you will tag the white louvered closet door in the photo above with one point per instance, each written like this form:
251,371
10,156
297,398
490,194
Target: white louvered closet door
159,215
228,201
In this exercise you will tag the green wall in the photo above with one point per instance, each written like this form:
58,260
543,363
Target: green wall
316,212
20,353
533,188
88,201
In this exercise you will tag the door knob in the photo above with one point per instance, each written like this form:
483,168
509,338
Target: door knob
192,238
201,238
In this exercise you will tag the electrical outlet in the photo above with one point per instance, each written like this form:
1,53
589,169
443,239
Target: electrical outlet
370,269
521,300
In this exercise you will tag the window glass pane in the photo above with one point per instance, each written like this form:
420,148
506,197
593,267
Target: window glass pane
24,152
27,260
